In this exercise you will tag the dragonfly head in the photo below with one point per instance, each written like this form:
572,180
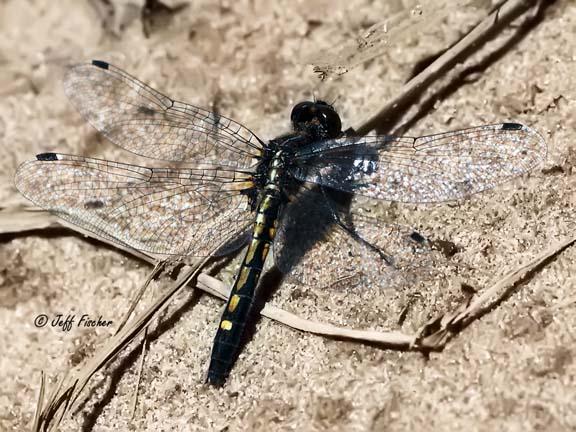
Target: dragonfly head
318,118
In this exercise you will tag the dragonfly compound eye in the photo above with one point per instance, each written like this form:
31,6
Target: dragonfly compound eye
302,113
319,113
330,120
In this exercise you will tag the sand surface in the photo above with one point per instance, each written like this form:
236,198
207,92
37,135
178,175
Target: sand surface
513,370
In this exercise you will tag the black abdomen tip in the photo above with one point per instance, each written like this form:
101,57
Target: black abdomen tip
47,156
215,379
101,64
512,126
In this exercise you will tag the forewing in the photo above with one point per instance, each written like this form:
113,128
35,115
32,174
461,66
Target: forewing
146,122
433,168
167,211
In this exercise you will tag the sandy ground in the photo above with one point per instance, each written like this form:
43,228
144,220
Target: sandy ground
513,370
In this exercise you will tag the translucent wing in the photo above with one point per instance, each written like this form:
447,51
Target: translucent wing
170,211
433,168
144,121
317,244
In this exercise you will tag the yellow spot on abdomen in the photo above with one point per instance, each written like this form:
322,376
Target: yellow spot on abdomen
242,278
258,230
226,325
250,253
234,300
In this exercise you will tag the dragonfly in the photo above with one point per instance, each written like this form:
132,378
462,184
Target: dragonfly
226,188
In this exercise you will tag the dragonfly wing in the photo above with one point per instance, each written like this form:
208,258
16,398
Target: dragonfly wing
146,122
319,244
434,168
167,211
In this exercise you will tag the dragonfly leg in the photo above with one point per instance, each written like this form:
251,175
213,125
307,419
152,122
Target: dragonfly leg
351,231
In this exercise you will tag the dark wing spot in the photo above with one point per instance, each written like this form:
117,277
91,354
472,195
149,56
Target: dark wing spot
101,64
512,126
93,204
47,157
146,111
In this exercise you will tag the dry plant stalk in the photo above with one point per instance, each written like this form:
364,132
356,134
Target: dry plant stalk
71,386
440,330
433,336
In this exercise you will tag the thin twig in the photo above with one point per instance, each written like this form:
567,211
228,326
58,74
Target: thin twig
158,268
449,324
40,402
71,387
140,370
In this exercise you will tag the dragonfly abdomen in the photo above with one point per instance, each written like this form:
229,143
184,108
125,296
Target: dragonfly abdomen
231,329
